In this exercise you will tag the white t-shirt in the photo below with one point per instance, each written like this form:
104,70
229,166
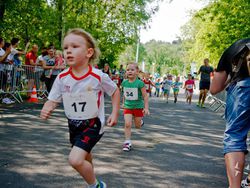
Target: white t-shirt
38,59
2,52
83,98
12,53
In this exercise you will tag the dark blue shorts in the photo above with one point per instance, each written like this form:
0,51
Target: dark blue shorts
84,133
204,85
237,116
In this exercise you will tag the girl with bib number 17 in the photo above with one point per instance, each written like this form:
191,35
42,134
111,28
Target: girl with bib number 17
135,102
81,88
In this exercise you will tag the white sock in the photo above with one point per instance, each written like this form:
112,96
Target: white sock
93,185
127,142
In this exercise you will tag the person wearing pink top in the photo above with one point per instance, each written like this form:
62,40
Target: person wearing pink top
189,86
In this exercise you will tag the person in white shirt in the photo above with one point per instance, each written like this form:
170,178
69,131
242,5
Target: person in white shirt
3,76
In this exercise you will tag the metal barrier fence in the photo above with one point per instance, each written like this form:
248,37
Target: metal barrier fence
217,103
18,80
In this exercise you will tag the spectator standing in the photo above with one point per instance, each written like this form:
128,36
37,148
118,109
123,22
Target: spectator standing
30,63
233,73
48,64
3,76
122,72
107,70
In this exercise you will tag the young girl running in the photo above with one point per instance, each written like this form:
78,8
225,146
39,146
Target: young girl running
148,83
176,88
189,86
167,84
135,102
81,88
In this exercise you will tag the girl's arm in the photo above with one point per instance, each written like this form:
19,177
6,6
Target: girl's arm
113,118
184,85
219,82
152,83
145,97
47,109
46,67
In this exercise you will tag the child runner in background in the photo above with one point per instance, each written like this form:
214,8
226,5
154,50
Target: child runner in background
117,79
135,102
148,83
167,85
81,89
176,88
189,86
157,87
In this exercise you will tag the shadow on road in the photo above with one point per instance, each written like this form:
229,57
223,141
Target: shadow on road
179,146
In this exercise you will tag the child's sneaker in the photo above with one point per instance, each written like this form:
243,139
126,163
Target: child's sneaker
142,122
126,147
7,101
101,184
245,184
202,106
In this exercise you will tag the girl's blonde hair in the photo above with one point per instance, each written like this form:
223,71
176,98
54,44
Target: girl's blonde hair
133,63
91,43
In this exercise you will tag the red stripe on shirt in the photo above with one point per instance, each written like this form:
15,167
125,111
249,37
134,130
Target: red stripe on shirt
96,76
64,74
99,98
82,77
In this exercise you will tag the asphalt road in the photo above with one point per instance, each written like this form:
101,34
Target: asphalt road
179,146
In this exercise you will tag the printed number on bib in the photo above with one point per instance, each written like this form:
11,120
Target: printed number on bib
147,86
131,93
80,106
189,86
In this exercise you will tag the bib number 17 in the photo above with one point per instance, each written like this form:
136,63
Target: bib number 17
78,105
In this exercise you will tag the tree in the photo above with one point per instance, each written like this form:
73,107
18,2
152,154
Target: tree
212,29
114,24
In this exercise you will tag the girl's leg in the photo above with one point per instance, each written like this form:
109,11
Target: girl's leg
175,97
190,98
167,95
78,160
89,158
235,162
138,122
128,125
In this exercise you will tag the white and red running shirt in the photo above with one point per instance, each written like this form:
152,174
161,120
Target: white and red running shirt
82,97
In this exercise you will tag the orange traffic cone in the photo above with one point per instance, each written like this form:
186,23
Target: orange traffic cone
33,97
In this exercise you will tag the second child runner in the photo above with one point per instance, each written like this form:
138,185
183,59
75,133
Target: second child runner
135,103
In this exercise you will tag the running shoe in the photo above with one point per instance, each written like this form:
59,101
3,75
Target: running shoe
202,106
142,122
39,98
245,184
198,104
7,101
127,147
101,184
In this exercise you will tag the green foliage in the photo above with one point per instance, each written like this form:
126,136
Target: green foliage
114,24
160,57
212,29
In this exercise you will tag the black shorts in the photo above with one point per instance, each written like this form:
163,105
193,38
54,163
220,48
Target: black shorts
204,85
84,133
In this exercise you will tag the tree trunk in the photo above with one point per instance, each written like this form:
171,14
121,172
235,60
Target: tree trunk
60,20
2,9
